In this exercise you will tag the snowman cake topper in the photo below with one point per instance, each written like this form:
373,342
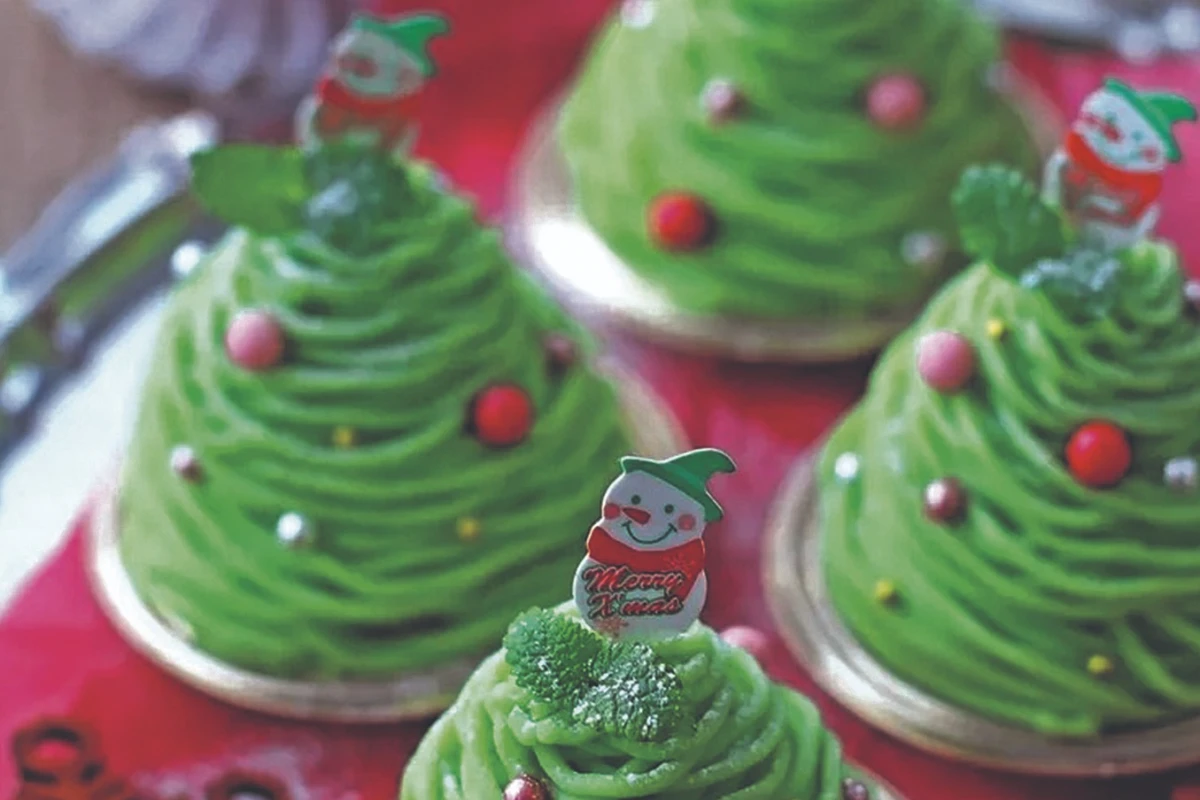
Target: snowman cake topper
1107,176
371,88
644,570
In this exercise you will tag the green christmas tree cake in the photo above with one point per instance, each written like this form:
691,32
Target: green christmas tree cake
366,441
1009,517
562,713
788,159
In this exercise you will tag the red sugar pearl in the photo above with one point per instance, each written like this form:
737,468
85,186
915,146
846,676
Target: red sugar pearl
680,222
502,415
1099,454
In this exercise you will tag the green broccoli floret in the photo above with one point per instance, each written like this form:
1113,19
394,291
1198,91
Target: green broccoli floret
636,695
552,657
1003,220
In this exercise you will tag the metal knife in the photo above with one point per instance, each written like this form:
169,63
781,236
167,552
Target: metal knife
101,246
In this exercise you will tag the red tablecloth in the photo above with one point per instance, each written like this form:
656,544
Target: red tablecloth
58,655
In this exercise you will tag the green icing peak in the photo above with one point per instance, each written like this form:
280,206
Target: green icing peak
416,525
621,689
758,108
1006,609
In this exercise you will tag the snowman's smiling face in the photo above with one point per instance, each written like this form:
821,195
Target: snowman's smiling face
372,66
646,513
1117,133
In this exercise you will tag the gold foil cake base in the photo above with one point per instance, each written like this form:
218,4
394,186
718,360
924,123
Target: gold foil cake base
656,434
549,233
800,604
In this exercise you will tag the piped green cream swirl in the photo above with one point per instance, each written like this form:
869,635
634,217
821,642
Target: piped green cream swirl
741,736
1003,612
393,346
813,201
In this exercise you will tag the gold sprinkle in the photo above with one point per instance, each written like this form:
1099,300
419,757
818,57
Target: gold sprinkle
469,529
344,437
1100,666
996,328
885,592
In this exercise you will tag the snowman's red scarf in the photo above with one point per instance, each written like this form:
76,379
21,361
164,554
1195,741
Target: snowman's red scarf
1143,188
335,94
687,559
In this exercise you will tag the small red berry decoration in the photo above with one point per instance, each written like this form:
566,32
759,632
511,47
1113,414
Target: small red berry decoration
680,222
254,340
896,102
945,361
945,500
502,415
1099,454
525,787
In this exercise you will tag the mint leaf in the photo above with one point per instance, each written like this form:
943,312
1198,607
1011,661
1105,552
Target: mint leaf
1085,283
636,695
1003,220
551,656
622,689
253,186
357,190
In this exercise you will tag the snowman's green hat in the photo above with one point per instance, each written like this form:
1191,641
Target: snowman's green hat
412,34
1161,109
689,473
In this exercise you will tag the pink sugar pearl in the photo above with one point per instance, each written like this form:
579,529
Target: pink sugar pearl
752,640
254,340
896,102
945,361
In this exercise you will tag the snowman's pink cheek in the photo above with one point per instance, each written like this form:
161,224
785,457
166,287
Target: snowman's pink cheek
611,511
686,523
1150,154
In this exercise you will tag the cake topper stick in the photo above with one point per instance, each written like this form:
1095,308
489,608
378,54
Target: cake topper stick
371,87
1108,174
644,570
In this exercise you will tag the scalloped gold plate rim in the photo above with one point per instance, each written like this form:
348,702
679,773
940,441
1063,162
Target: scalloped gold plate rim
549,234
656,433
800,604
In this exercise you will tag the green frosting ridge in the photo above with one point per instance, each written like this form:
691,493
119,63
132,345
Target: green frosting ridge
813,200
1001,612
741,736
394,344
